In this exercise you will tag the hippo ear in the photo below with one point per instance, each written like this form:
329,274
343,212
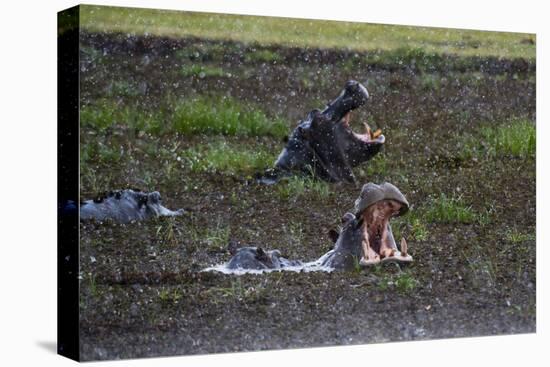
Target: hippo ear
261,254
305,132
317,119
154,197
313,114
333,235
346,218
142,199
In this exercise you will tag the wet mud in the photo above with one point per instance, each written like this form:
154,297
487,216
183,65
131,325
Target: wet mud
142,290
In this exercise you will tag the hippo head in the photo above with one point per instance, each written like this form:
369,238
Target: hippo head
324,143
376,205
256,258
125,206
366,235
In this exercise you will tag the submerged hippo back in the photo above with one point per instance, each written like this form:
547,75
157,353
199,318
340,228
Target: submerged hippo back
125,206
121,206
255,258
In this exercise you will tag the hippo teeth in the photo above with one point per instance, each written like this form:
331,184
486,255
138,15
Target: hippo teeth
403,247
347,117
368,130
371,135
376,134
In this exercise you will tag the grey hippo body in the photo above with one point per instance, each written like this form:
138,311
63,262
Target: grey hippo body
255,258
125,206
324,144
365,238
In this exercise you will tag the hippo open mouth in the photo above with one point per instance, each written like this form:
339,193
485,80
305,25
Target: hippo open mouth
378,244
368,137
375,207
361,146
325,145
366,236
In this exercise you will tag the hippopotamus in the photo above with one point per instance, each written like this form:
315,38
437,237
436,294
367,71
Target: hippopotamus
323,144
256,258
365,238
125,206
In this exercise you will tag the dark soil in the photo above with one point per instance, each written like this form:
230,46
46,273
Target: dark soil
142,292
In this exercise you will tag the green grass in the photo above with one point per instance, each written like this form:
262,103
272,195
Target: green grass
404,282
202,71
410,226
263,56
414,56
213,239
202,115
93,182
444,209
123,88
220,157
419,232
430,82
101,153
169,296
106,113
226,116
167,232
516,138
203,52
304,33
216,238
377,166
297,186
92,284
515,236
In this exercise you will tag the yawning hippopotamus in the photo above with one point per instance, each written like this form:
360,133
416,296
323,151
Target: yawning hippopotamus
324,145
366,235
365,239
125,206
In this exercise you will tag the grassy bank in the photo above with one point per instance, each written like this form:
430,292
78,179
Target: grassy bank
202,115
300,33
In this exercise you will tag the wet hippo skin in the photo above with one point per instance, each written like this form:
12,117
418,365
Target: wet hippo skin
255,258
125,206
323,144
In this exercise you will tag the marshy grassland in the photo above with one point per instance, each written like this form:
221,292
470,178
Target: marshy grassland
195,105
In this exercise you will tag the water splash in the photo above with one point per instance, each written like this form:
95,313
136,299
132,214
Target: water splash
307,267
